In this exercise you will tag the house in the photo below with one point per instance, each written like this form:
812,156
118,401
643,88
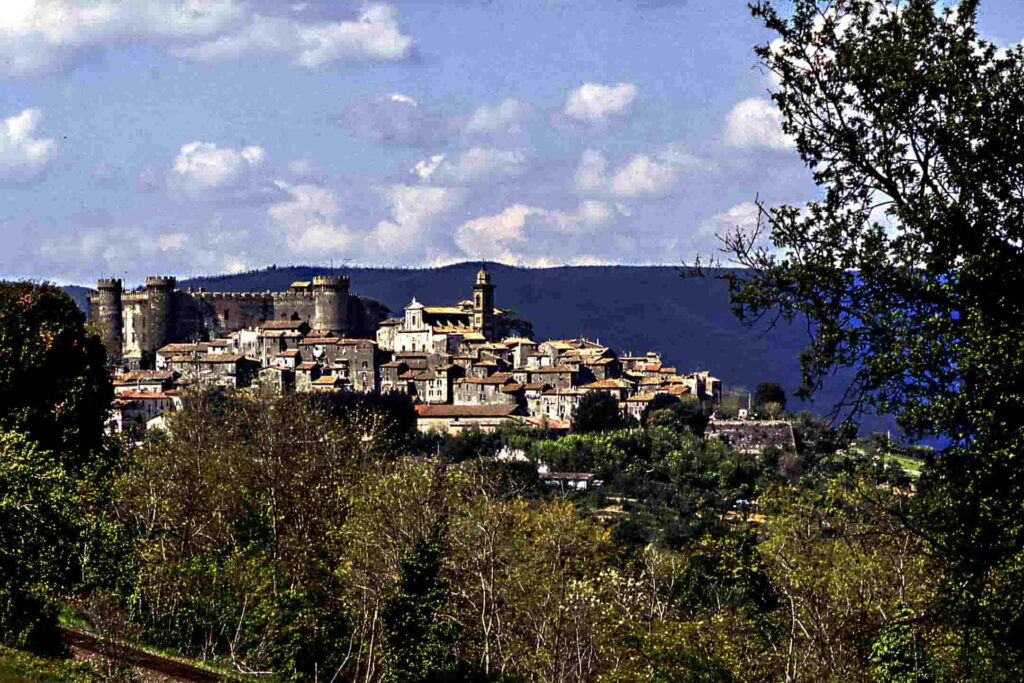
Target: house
277,379
635,405
143,380
498,388
233,371
358,358
131,410
453,419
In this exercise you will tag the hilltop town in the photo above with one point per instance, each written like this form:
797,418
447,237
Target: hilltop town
461,364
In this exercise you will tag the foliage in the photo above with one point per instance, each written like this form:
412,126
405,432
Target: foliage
769,392
55,465
907,270
687,414
598,412
21,667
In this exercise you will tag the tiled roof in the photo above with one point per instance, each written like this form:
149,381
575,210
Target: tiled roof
496,378
143,395
308,365
640,398
281,324
608,384
290,353
448,411
551,368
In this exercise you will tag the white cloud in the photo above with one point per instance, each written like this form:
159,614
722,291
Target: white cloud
490,237
414,210
642,175
38,36
754,123
203,167
740,217
138,250
311,221
504,117
522,234
590,174
373,36
474,165
392,120
588,217
24,157
596,104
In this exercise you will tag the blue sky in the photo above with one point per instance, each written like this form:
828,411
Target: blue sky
208,136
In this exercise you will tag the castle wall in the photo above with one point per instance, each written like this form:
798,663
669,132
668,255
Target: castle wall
293,306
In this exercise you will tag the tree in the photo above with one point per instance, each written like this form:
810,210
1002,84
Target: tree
55,468
599,412
681,415
769,392
908,270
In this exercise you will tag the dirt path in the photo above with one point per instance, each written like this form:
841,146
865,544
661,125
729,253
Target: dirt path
88,646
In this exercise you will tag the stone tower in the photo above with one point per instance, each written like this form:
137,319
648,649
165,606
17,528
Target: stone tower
483,304
160,294
110,317
330,303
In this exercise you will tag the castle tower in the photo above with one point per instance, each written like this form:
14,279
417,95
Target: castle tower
330,303
110,317
160,293
483,304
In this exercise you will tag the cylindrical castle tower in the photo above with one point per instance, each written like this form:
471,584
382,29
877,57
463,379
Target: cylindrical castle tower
110,317
330,303
160,293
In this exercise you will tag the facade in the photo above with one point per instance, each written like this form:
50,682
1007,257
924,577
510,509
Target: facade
134,325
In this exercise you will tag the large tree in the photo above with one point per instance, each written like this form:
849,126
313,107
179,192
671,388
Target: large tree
908,269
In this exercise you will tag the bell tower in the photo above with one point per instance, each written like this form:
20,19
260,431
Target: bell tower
483,304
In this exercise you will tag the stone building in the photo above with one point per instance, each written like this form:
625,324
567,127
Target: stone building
133,325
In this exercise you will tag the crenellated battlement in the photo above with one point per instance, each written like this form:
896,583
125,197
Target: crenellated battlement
231,296
161,282
109,284
291,296
330,281
134,297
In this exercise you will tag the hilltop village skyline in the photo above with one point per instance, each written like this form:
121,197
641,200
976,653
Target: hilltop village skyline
464,365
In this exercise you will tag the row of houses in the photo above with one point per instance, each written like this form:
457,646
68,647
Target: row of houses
463,366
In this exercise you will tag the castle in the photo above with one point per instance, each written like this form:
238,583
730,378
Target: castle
134,325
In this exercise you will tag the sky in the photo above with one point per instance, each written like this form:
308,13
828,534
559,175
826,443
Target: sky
196,137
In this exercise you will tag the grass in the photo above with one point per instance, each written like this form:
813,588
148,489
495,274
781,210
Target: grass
17,666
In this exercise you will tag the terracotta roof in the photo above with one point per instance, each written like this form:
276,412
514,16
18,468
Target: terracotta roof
173,349
392,364
281,324
328,380
640,398
143,376
308,365
428,410
409,374
668,371
677,389
551,368
142,395
536,386
289,353
511,388
517,341
550,423
608,384
429,374
653,367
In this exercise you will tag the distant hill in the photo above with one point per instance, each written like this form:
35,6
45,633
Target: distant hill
630,308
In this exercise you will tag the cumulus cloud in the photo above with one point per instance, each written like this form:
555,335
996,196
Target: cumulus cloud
414,210
492,237
741,217
502,118
394,119
473,165
311,221
641,175
374,35
756,123
596,104
137,250
523,234
201,168
24,157
590,174
44,35
40,36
